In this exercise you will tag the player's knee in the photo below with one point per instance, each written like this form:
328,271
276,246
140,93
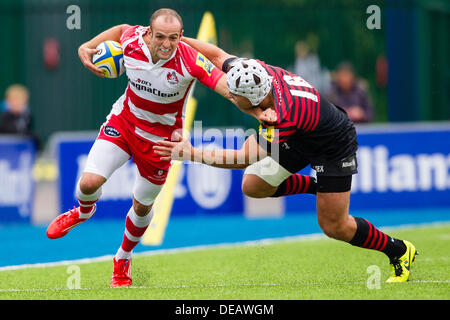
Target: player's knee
334,228
90,183
141,209
329,228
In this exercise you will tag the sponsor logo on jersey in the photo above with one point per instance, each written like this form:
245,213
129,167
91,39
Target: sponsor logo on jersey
111,132
267,133
347,164
133,47
143,85
132,50
172,78
204,63
319,169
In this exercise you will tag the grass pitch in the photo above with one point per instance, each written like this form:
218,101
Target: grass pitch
304,269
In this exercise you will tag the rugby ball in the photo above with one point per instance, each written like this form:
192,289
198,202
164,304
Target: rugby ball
109,58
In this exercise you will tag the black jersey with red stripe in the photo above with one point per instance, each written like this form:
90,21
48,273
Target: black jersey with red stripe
297,103
315,127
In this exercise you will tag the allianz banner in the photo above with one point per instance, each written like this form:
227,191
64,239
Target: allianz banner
407,167
17,157
399,167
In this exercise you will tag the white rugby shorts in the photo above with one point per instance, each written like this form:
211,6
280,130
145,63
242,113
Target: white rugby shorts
106,157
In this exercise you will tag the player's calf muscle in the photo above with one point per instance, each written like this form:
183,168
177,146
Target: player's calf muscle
333,217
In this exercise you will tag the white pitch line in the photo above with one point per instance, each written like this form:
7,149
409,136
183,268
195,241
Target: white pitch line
430,281
314,236
253,243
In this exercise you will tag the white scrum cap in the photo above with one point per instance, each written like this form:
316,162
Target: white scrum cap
249,79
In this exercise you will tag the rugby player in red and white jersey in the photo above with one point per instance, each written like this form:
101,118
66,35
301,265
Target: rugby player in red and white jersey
304,129
161,71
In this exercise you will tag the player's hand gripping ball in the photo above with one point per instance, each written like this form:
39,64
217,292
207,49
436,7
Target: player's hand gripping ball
109,58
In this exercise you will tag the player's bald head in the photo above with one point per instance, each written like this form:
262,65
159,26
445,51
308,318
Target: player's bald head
168,15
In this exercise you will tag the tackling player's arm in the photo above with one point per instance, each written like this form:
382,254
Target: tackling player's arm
213,53
88,49
222,158
217,57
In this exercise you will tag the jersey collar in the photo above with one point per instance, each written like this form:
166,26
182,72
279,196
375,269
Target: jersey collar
277,99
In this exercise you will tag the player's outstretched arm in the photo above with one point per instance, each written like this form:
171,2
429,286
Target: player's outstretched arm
213,53
88,49
222,158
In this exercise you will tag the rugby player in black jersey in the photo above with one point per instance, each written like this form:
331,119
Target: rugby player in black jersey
299,127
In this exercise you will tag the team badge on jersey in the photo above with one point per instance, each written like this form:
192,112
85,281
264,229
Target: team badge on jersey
267,133
158,175
172,78
204,63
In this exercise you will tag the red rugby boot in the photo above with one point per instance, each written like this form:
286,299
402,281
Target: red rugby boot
63,223
122,273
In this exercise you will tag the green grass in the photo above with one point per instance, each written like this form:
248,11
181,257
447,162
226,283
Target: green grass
306,269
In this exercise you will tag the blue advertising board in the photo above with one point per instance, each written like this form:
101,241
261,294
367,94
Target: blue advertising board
399,167
201,189
17,156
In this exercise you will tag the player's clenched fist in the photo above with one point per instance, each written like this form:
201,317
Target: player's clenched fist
85,53
268,116
180,149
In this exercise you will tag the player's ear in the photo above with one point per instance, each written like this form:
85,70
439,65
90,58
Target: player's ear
181,33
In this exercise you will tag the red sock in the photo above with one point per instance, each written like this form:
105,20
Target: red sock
297,183
86,206
87,201
135,227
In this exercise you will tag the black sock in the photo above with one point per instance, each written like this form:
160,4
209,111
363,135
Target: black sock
297,183
369,237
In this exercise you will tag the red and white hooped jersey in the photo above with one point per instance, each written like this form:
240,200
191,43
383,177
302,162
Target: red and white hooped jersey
155,99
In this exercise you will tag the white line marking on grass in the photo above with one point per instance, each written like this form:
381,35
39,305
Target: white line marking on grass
432,259
58,263
253,243
183,286
430,281
402,227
